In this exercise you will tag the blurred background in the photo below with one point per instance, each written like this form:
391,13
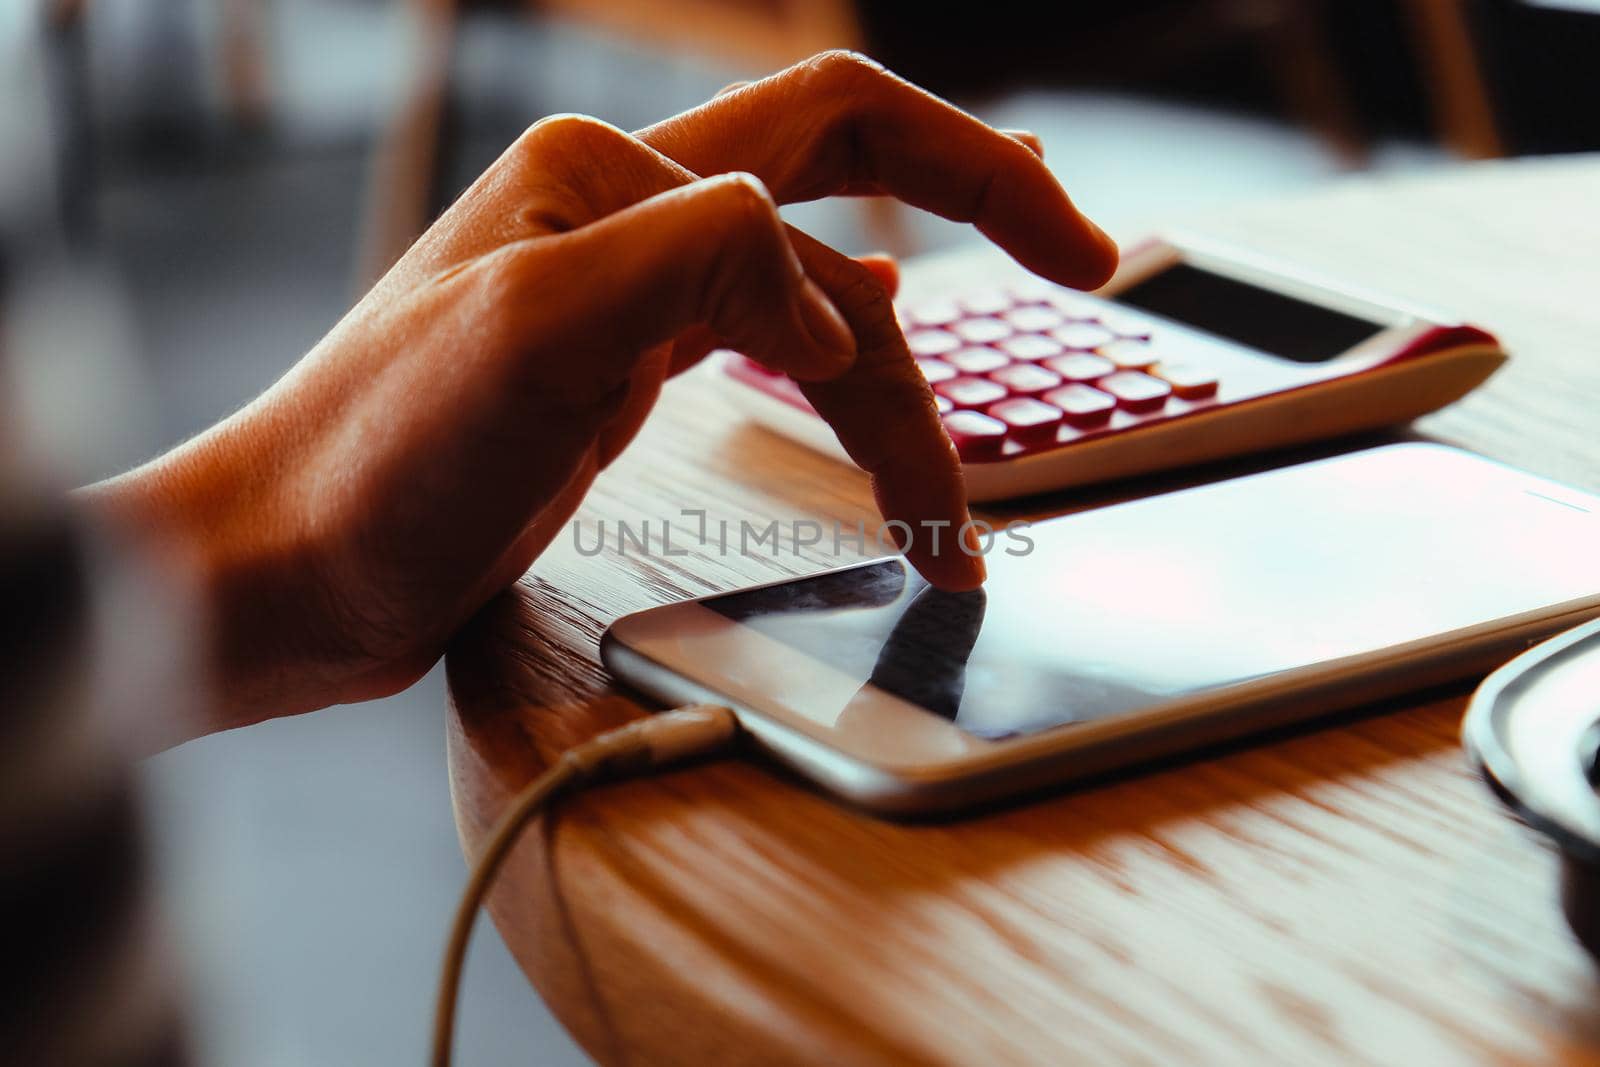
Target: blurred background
209,183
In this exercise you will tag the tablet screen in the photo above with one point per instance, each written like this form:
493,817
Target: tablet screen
1116,609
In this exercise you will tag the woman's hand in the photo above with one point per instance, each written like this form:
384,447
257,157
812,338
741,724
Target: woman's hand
344,524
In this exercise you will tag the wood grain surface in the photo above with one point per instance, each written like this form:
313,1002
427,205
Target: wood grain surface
1348,892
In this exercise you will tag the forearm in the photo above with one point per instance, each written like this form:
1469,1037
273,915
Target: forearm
329,529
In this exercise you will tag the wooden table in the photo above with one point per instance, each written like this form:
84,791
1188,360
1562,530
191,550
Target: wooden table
1344,893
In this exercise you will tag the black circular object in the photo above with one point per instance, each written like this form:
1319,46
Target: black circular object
1534,729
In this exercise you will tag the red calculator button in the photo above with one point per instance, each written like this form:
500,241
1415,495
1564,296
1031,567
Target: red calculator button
1036,319
1081,405
936,370
987,302
1129,354
943,406
1026,379
933,313
1029,421
1137,393
975,435
1083,335
981,331
1124,325
970,392
932,342
1188,381
976,360
1031,346
1081,366
1032,291
1075,305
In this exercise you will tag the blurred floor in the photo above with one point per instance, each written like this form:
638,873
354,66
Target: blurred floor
311,864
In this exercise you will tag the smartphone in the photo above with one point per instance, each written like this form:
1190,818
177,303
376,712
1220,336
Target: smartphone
1119,635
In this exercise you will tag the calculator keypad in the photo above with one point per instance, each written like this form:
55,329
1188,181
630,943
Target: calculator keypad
1033,367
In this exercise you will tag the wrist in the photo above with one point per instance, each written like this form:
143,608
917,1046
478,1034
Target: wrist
225,529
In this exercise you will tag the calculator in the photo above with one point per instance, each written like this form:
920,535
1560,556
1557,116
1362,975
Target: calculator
1192,352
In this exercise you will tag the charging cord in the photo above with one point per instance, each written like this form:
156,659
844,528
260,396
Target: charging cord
641,746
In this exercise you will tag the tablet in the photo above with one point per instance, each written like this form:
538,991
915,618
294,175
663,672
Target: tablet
1115,636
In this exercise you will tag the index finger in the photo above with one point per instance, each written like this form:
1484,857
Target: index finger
840,123
885,417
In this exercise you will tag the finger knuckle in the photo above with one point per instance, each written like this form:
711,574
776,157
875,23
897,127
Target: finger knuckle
841,89
548,167
840,68
746,196
744,209
751,258
566,133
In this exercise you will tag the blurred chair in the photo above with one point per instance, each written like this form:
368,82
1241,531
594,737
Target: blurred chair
1138,43
243,64
414,159
244,91
1464,113
764,34
1303,58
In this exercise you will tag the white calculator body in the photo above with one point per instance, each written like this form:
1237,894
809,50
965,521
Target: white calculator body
1190,353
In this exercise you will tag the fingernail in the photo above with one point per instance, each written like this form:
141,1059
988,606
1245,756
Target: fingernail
1028,139
974,543
1110,257
1109,241
830,333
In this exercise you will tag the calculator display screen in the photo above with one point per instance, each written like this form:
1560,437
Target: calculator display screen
1274,323
1124,607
